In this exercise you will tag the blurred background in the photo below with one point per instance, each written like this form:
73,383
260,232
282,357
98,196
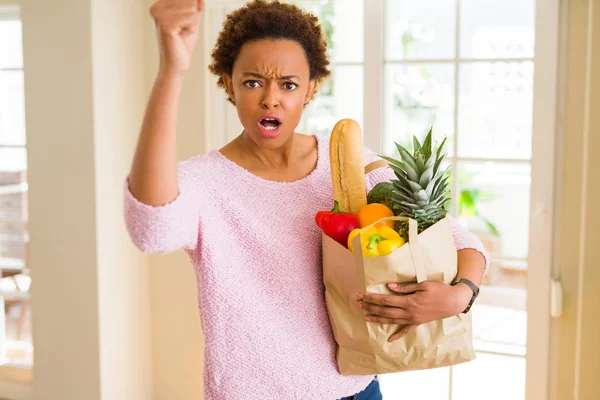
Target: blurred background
510,84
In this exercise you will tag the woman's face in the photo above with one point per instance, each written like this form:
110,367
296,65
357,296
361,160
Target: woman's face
270,86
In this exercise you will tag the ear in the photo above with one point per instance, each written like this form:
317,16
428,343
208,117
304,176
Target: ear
312,87
228,82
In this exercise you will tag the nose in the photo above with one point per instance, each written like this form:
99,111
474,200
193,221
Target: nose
270,98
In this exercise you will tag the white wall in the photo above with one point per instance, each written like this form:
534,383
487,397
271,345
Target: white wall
102,310
84,99
123,279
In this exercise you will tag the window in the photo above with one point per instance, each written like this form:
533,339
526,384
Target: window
15,326
464,68
467,69
341,96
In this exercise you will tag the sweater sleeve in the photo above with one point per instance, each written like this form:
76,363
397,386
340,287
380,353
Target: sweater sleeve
463,238
166,228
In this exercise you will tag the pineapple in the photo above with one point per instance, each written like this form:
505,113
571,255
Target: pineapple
422,187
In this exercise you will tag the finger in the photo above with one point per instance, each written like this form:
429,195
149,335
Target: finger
403,332
382,311
384,300
200,5
384,320
405,287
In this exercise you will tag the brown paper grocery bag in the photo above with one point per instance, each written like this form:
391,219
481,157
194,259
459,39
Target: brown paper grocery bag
363,347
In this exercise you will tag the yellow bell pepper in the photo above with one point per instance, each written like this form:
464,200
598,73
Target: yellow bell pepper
376,241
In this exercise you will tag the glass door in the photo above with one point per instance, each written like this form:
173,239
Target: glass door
466,68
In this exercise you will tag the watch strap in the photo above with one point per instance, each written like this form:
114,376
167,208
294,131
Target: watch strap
472,286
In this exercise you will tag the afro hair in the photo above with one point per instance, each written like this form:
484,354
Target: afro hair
264,19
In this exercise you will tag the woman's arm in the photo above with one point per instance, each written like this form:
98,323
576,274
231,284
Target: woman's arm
169,227
160,210
153,178
473,258
471,265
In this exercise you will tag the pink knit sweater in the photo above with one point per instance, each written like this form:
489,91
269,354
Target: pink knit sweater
255,250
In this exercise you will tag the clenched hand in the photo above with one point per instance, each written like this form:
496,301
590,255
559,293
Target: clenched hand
414,304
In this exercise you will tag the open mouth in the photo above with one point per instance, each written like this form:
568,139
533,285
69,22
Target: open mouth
270,123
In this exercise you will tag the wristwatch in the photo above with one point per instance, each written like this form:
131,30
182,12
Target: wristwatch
473,287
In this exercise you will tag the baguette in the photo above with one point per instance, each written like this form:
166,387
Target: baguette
347,166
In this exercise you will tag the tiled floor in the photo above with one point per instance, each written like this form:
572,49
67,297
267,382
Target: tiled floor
489,376
499,326
499,329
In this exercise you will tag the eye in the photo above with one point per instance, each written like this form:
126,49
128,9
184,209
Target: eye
252,84
290,86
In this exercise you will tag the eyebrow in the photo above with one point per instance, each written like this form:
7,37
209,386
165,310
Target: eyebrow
283,78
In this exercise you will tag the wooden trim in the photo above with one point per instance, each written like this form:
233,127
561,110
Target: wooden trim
541,221
576,365
21,375
16,383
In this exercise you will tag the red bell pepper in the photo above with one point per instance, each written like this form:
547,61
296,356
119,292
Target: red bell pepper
336,224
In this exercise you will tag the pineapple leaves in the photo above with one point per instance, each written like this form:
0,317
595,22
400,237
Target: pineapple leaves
439,159
403,187
393,161
441,189
411,205
406,157
414,186
426,148
411,173
398,171
436,166
426,177
422,188
402,169
420,163
400,197
430,189
421,195
440,148
416,145
430,162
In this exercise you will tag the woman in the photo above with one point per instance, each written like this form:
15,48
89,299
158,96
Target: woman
244,214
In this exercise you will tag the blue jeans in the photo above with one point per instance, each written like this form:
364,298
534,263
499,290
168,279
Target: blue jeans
371,392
